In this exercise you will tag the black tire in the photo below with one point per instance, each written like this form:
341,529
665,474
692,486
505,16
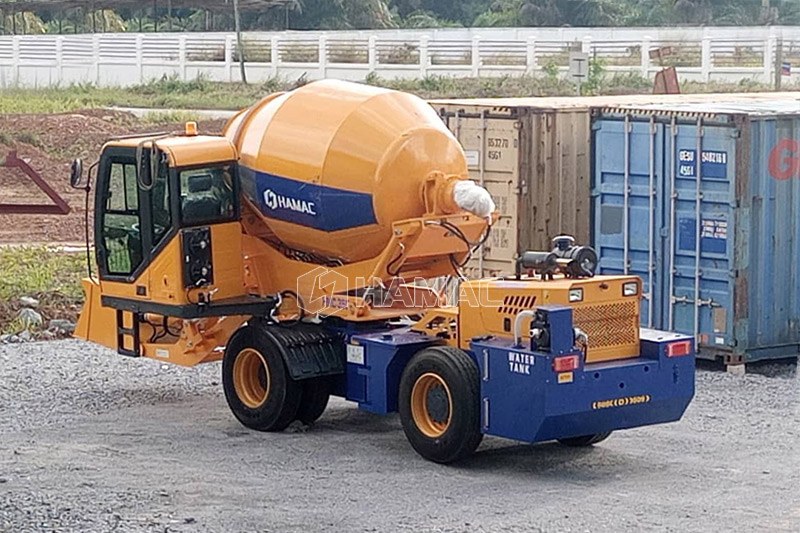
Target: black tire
316,392
585,440
267,400
442,436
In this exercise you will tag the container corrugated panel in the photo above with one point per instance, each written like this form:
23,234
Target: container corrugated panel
534,161
715,237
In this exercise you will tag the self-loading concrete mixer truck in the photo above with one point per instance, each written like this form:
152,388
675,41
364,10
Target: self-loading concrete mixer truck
295,248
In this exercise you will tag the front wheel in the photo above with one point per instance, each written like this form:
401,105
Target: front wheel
585,440
257,385
440,404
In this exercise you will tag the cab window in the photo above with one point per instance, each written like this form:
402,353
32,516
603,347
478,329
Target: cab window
121,225
206,195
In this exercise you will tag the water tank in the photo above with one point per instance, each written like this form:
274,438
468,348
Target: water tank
331,165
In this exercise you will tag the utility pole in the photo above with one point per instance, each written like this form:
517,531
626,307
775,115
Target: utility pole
778,64
239,44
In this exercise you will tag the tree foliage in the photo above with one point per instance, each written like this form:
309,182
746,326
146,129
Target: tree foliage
379,14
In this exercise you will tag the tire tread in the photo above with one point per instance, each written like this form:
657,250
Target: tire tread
466,371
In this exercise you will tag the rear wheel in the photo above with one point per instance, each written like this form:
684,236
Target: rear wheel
316,392
257,386
585,440
440,404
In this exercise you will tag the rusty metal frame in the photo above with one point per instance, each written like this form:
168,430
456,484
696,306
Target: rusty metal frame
59,205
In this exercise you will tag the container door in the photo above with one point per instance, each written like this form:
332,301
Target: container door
491,144
628,210
769,277
700,193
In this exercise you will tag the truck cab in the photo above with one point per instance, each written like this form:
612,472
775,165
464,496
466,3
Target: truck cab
168,238
190,182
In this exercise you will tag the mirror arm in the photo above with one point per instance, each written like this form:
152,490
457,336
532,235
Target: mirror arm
89,175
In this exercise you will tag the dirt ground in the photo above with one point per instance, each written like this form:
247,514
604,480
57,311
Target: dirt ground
92,441
50,142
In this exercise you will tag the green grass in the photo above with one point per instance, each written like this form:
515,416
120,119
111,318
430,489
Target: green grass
502,86
27,137
30,270
51,276
204,94
164,93
166,117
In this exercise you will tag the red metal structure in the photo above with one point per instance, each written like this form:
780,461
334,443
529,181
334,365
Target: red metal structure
58,207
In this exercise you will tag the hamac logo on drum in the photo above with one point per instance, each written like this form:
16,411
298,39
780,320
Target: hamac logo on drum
275,201
270,199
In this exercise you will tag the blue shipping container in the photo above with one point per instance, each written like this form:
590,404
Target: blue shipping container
715,237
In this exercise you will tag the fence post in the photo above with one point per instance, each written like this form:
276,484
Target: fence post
423,56
59,58
476,56
139,58
96,54
229,58
586,45
323,56
182,56
15,57
530,56
770,47
274,54
372,53
706,59
645,59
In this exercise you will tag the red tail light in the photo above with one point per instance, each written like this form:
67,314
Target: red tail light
566,364
679,348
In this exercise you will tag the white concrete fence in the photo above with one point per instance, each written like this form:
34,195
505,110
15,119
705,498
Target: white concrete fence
119,59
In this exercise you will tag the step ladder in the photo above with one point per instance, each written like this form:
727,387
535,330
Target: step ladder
132,333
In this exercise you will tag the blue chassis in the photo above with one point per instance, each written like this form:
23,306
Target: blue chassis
528,400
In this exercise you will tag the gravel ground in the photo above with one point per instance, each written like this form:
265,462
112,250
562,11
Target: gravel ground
91,441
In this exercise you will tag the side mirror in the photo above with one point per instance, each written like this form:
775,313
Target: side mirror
76,173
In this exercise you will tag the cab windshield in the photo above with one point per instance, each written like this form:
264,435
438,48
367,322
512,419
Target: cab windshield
206,194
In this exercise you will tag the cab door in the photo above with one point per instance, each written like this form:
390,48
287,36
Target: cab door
132,223
118,224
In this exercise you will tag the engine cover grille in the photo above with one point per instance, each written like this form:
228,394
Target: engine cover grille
613,329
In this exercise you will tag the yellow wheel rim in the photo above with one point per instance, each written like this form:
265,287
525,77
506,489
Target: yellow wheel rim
431,405
251,378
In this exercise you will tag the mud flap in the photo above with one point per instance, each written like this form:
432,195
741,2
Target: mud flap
309,350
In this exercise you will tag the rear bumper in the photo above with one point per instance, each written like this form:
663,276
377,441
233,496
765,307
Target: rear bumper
531,402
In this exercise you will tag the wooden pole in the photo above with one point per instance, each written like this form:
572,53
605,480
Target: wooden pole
238,26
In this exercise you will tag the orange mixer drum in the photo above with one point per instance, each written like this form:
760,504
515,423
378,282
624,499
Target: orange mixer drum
331,165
